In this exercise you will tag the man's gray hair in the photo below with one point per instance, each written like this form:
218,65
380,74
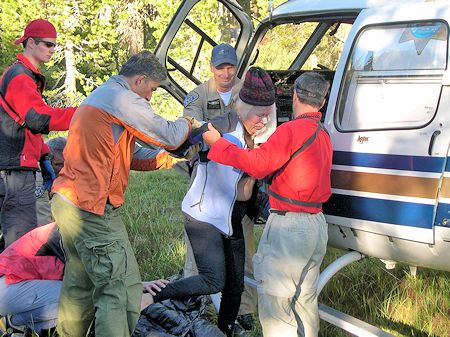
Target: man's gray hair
56,145
311,88
144,63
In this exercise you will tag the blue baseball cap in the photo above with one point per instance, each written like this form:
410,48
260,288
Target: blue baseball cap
223,53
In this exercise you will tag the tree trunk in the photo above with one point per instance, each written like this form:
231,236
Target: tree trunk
69,82
246,5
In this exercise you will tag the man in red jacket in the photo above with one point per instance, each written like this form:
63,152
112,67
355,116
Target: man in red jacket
24,117
298,158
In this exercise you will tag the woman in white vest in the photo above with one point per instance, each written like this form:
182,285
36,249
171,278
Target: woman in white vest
214,207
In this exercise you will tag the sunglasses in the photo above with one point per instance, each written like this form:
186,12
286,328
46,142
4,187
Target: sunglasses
48,44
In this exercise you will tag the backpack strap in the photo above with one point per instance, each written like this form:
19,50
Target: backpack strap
10,111
14,70
295,202
305,145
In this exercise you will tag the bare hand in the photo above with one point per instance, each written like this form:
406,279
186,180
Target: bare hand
152,287
195,124
211,136
146,300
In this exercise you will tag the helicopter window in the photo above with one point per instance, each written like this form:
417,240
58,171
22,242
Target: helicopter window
328,51
305,46
288,50
190,51
393,77
280,45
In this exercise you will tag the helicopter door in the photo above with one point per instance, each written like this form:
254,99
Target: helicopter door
389,123
185,48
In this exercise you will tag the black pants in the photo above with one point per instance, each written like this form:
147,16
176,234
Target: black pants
220,264
17,204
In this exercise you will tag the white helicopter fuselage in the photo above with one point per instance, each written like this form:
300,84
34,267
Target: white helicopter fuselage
389,121
388,112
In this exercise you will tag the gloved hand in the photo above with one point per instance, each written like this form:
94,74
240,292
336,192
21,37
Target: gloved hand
48,174
192,151
195,137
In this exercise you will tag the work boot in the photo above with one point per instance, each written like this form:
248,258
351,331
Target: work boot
13,330
227,329
246,321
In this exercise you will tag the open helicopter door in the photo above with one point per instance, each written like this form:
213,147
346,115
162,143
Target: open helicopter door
197,26
390,127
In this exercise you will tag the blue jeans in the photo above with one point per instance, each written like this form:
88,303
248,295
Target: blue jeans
32,303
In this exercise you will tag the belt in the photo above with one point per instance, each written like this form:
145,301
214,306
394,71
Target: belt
275,211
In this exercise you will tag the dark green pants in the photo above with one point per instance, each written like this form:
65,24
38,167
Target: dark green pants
101,277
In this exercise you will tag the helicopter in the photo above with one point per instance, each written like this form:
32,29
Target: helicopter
386,114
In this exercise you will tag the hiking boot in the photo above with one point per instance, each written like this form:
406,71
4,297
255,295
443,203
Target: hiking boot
246,321
240,332
13,330
227,329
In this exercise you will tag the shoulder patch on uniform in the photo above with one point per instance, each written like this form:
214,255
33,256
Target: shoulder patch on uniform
191,97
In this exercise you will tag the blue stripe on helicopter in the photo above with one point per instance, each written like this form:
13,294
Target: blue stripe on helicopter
380,210
447,166
390,161
443,212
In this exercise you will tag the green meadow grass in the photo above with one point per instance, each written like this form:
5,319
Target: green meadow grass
392,300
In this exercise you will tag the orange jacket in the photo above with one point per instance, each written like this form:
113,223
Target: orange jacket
100,146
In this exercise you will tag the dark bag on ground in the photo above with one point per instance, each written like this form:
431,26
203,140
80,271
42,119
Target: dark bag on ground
170,318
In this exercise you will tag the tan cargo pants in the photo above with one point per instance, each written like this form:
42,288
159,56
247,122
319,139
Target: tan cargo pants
287,265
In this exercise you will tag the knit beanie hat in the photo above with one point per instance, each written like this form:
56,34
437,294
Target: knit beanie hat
258,88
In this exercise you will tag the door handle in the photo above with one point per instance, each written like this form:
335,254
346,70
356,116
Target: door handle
432,140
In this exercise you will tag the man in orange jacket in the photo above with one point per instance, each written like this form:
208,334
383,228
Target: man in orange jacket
102,277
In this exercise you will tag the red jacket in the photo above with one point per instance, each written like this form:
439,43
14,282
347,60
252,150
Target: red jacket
24,116
305,178
35,256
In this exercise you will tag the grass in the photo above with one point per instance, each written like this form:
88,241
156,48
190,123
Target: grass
391,300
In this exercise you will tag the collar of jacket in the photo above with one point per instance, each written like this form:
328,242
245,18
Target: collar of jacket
26,62
316,114
121,80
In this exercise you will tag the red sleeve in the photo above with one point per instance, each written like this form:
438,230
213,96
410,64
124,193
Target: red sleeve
22,95
258,162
